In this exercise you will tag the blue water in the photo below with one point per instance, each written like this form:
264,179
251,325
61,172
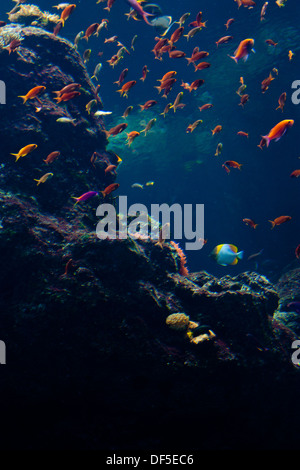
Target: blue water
170,157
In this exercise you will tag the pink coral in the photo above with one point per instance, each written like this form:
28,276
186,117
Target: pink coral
183,270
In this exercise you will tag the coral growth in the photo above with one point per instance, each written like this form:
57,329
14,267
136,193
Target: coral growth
32,15
183,270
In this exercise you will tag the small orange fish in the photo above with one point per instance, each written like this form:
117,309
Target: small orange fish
13,45
110,169
281,101
205,106
192,127
291,54
295,174
216,130
224,40
126,87
232,164
176,54
67,96
144,73
250,222
109,189
33,93
92,29
280,220
176,35
270,42
202,66
148,104
243,50
245,134
229,22
66,13
24,151
122,77
131,136
244,99
266,83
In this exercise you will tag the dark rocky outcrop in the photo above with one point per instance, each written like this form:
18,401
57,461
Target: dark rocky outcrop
91,362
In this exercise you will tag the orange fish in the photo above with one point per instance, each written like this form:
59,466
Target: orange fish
216,130
33,93
193,86
266,83
109,189
92,29
131,136
144,73
176,54
270,42
224,40
66,13
232,164
243,133
295,174
277,131
205,106
13,45
280,220
197,56
243,50
110,169
291,54
122,77
192,127
148,104
202,66
281,101
68,89
250,222
176,35
167,76
126,87
229,22
244,99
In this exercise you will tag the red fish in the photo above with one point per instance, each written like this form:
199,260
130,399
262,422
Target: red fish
205,106
126,87
122,77
148,104
66,13
297,252
280,220
176,54
224,40
117,129
216,130
144,73
229,22
51,157
245,134
67,96
202,66
250,222
109,189
281,101
295,174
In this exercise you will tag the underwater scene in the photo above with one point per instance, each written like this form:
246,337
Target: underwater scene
150,227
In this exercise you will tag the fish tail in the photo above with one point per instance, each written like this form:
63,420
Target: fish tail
266,139
77,200
240,255
38,181
273,224
58,99
63,22
233,57
24,98
103,193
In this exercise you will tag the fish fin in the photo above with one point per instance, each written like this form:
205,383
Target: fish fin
245,58
24,98
240,255
103,193
15,154
273,224
234,248
235,261
233,57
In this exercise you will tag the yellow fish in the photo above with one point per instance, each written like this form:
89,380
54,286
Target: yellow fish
44,178
24,151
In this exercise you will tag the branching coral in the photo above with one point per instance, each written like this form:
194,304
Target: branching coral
32,15
183,270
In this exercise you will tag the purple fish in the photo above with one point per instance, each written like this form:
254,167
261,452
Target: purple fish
85,196
137,7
